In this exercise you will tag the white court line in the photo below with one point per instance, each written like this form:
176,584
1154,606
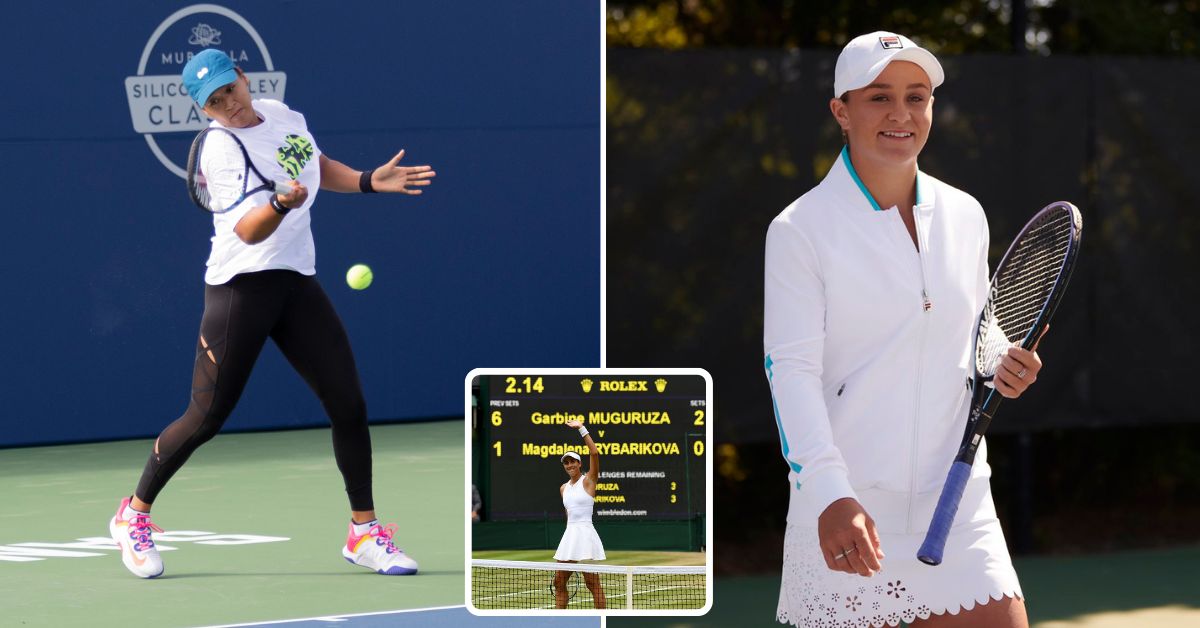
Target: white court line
337,617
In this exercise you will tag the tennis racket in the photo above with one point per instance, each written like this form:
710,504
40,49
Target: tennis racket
224,152
1025,290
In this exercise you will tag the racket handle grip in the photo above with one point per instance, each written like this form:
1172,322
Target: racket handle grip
943,516
282,188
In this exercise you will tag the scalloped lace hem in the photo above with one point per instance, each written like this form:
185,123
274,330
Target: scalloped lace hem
813,596
892,618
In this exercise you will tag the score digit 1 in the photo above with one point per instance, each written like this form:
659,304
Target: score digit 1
496,446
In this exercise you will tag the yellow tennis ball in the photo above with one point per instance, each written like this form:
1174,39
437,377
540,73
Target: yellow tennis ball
359,276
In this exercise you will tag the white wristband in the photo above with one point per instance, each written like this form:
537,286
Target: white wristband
583,431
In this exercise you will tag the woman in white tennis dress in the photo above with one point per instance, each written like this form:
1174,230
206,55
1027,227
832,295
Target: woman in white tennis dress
874,280
579,541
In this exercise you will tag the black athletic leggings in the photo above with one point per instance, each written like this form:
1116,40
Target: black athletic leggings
239,316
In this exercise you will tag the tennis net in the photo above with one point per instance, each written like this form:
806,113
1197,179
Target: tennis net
505,584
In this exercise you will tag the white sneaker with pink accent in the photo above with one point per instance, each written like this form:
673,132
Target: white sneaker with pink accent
133,534
375,551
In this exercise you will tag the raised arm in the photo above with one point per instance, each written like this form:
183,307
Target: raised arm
593,474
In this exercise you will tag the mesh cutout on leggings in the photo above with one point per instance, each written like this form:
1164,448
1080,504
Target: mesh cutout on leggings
204,387
180,439
204,375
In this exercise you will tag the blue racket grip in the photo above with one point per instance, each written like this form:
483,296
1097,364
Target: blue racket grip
943,516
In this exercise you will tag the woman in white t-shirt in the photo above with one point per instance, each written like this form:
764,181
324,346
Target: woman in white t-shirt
260,284
580,540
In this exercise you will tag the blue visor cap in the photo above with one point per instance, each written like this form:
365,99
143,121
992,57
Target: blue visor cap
207,72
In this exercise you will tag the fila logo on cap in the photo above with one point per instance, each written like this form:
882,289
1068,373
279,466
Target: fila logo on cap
201,73
890,41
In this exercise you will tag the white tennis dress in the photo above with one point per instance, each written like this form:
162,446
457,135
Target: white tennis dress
579,541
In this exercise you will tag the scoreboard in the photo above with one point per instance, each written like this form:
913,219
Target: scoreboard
649,429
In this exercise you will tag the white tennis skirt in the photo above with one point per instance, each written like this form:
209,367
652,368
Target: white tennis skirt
976,569
580,542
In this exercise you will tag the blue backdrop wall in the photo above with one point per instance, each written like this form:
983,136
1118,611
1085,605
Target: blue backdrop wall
103,255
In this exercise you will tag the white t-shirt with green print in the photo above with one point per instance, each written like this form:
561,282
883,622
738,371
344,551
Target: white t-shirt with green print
282,149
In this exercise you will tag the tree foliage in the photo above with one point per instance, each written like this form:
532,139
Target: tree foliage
1151,27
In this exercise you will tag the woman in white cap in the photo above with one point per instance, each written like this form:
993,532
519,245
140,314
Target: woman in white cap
260,284
579,540
873,282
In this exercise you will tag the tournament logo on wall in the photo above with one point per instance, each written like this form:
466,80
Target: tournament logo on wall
158,102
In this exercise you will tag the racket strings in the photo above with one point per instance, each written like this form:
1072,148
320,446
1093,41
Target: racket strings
200,190
218,170
196,181
1019,292
1023,288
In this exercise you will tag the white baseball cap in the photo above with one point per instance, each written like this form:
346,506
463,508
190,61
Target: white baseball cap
865,57
570,454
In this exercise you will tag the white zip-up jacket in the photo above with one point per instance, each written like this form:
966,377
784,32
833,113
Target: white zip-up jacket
867,343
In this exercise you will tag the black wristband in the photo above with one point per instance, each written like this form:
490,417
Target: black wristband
279,208
364,182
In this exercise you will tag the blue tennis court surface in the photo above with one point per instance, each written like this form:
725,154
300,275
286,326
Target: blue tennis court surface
443,617
244,551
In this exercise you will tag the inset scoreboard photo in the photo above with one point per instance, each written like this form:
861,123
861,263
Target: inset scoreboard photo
650,432
607,468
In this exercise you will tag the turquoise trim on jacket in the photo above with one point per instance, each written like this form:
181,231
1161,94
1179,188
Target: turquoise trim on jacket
863,188
778,422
